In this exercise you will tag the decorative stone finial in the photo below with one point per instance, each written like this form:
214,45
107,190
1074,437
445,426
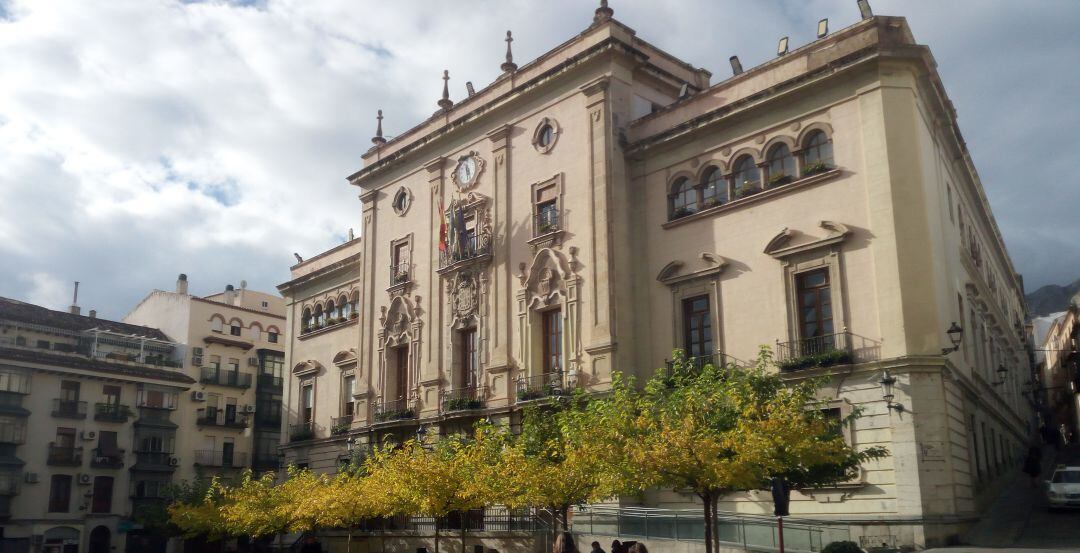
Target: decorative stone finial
446,103
509,65
603,13
378,139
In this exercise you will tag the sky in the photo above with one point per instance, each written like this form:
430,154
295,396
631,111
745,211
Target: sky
146,138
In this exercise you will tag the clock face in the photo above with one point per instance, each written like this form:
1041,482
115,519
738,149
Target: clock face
466,170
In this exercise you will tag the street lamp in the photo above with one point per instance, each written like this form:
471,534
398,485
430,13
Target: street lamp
421,433
887,382
1001,372
955,334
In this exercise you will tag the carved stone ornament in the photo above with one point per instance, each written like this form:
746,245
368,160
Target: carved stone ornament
465,298
466,173
397,320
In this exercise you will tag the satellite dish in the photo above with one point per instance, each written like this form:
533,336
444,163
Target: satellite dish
243,284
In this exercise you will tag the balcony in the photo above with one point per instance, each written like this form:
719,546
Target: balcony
211,416
221,377
474,248
13,434
395,410
9,482
64,456
220,459
111,412
841,348
716,359
340,425
107,458
546,222
69,409
155,461
470,398
540,386
301,432
400,274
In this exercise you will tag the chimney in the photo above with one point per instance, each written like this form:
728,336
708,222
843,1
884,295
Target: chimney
75,300
181,284
93,313
230,293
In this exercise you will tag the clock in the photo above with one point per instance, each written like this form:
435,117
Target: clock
467,170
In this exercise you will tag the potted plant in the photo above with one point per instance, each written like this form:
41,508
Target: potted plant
353,315
710,202
748,190
681,212
779,180
815,168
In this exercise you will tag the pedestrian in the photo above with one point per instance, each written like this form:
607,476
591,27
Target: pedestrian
311,545
596,547
1064,431
564,543
1033,465
638,547
616,547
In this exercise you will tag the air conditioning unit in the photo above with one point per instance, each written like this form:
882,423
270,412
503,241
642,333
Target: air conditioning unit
253,361
85,479
173,461
198,395
88,435
196,361
31,478
247,409
196,352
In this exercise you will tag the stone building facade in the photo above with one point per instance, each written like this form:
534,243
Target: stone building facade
604,204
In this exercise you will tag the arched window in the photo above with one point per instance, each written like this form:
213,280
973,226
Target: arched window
817,154
713,188
331,312
320,316
344,309
781,165
746,176
683,199
217,324
306,320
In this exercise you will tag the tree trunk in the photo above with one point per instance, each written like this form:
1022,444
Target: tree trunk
715,531
464,526
280,542
706,499
436,534
348,542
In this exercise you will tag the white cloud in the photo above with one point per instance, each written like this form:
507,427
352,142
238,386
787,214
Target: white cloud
144,138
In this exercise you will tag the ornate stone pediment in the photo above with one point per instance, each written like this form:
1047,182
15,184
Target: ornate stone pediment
545,280
783,244
673,273
309,367
400,321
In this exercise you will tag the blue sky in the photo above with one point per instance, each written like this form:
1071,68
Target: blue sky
144,138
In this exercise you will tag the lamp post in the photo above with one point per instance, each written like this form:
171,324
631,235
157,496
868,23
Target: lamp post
1001,372
887,382
955,334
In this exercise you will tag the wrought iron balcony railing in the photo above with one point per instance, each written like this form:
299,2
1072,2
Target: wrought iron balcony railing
714,359
221,459
218,417
69,409
541,386
64,456
840,348
225,377
400,274
302,431
160,460
468,398
396,409
546,222
340,425
111,412
472,246
107,459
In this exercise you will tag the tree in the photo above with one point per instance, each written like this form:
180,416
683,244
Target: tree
714,430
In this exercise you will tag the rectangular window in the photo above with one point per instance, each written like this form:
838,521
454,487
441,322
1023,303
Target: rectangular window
948,191
111,394
215,362
230,410
348,389
234,364
975,450
235,330
107,444
815,307
697,327
401,372
834,417
470,359
399,270
43,344
271,337
552,333
65,437
307,403
69,390
60,493
547,210
103,490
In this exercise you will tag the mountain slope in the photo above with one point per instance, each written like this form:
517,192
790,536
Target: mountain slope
1051,298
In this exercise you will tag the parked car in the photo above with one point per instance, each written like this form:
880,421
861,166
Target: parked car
1063,488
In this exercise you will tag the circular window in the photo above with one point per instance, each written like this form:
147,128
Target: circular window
402,201
547,132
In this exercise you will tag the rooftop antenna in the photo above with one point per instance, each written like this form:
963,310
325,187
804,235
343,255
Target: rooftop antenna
736,65
378,139
823,28
509,66
445,103
782,47
864,9
75,300
469,88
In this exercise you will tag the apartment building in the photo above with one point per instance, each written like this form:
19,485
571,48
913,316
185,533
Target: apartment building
606,203
235,351
87,429
1056,387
